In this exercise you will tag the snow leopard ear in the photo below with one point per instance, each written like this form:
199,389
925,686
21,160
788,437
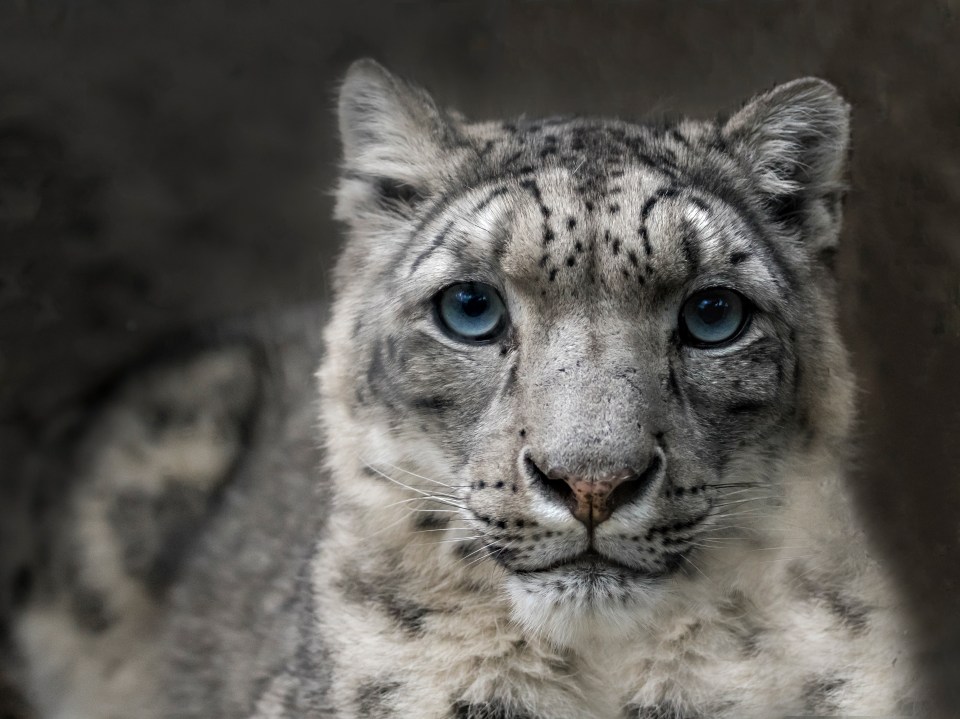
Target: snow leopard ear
795,138
393,137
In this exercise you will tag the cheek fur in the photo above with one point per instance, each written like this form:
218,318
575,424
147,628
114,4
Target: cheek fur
423,383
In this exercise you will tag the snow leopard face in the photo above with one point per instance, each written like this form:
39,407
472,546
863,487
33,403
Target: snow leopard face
587,346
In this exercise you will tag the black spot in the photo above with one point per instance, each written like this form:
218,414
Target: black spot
632,256
614,208
374,699
553,274
578,246
547,235
615,248
589,205
494,709
571,261
737,257
571,223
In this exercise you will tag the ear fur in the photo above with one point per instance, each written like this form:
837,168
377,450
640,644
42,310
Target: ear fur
795,139
392,134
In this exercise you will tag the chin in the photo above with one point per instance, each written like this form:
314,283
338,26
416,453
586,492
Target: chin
586,603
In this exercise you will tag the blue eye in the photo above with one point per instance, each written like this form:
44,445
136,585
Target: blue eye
472,311
713,316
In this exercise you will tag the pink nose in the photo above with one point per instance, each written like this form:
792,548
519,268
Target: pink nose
593,499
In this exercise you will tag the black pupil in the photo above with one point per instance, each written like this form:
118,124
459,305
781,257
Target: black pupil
473,304
712,309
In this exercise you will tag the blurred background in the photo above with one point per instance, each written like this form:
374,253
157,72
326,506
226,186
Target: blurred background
165,164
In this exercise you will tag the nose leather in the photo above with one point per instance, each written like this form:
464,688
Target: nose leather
591,495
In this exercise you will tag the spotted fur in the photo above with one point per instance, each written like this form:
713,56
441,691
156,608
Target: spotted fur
739,584
450,579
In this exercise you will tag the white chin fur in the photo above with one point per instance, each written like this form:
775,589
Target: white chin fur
577,609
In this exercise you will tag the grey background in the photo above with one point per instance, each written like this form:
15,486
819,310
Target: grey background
168,163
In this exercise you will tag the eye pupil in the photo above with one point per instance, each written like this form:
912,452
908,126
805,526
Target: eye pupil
474,305
713,310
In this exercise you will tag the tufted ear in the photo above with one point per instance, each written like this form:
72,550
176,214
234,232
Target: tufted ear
393,136
795,138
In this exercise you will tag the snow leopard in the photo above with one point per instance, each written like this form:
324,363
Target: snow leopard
584,416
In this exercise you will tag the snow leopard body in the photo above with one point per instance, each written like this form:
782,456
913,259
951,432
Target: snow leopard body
427,562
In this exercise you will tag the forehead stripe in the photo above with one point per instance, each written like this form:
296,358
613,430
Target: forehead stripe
434,246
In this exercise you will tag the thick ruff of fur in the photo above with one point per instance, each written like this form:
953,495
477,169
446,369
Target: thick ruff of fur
451,579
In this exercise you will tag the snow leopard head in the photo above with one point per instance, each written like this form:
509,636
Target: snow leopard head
587,347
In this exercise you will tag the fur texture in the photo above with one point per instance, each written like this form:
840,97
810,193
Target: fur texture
451,579
738,584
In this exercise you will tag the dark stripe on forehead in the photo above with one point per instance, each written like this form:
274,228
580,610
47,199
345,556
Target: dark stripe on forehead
485,202
436,209
434,246
662,194
645,236
689,243
534,189
711,184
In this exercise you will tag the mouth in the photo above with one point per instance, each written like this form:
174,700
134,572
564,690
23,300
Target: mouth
591,562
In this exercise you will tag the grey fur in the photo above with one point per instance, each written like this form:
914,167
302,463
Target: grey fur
432,567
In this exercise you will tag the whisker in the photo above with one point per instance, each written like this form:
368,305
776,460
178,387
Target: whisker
420,476
729,485
447,541
438,511
395,481
425,499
